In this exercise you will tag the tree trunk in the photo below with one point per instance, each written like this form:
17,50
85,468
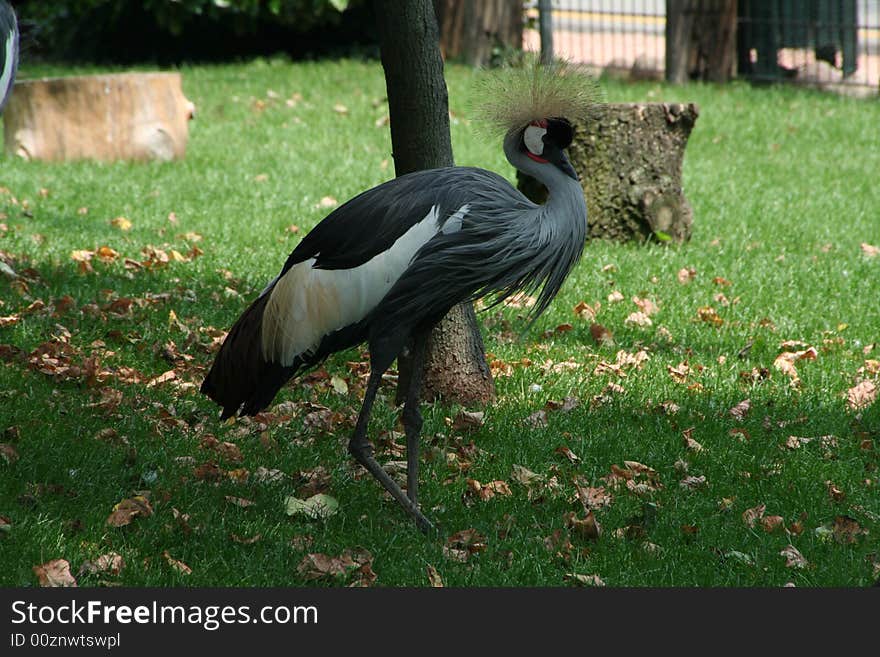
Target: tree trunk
129,116
473,30
455,366
630,162
700,40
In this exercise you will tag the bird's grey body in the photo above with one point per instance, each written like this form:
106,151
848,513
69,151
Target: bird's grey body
386,266
8,51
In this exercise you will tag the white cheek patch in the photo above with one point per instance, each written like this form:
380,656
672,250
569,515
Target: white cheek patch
533,138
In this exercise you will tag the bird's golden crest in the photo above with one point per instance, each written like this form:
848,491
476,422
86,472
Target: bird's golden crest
512,97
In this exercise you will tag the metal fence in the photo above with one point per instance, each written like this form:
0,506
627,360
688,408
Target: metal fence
826,43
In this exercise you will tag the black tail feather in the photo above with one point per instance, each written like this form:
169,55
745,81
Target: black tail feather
241,380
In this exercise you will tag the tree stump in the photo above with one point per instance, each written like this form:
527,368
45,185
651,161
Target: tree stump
629,161
128,116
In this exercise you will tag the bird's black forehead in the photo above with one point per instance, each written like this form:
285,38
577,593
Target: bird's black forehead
560,130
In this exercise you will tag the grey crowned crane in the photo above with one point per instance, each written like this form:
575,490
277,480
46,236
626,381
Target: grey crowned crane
387,265
8,51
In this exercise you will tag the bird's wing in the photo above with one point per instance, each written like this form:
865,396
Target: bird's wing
374,220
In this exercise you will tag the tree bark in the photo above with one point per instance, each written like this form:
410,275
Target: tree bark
455,365
630,162
473,30
128,116
700,40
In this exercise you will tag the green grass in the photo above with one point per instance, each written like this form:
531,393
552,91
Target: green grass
781,182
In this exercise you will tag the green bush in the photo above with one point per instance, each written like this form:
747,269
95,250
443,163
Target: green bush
132,29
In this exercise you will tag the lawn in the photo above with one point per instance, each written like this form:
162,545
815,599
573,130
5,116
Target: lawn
690,452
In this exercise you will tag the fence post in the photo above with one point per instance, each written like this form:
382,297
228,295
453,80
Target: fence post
545,26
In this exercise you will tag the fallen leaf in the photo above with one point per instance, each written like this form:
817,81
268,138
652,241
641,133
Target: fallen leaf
537,420
434,578
647,306
318,506
240,501
834,492
121,223
869,249
772,523
110,563
689,441
586,528
469,541
8,452
686,275
693,482
245,540
601,335
468,421
751,516
129,509
339,108
339,385
861,395
638,319
567,453
846,529
176,564
55,573
615,297
593,497
740,410
584,580
785,361
793,558
709,315
586,311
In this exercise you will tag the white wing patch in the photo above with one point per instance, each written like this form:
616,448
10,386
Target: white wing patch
307,303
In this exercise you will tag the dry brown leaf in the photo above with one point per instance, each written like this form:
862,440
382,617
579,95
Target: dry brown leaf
689,442
567,453
709,315
601,335
434,578
240,501
834,492
785,361
468,420
638,319
121,223
593,497
869,249
680,372
647,306
846,530
771,523
751,516
741,410
861,395
586,311
793,558
129,509
615,296
584,580
586,528
686,275
110,564
55,573
537,420
176,564
693,481
468,540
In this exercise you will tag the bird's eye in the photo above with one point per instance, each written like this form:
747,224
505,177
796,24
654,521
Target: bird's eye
533,137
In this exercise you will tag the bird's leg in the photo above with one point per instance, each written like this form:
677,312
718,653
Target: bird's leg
360,449
412,417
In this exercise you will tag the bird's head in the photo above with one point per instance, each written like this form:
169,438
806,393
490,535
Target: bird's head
544,141
536,106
